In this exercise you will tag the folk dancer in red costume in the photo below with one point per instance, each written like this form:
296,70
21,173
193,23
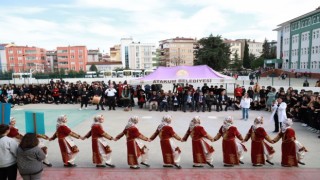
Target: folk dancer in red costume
232,150
201,150
170,151
292,150
14,132
101,151
67,146
135,148
259,148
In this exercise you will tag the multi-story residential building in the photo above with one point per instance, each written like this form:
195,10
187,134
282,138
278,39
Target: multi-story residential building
135,55
141,55
124,49
51,64
24,58
3,58
94,55
299,43
177,51
115,53
235,47
255,48
72,58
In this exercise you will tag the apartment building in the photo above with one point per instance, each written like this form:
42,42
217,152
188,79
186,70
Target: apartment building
299,43
72,58
115,53
94,55
3,58
177,51
24,58
136,55
255,48
51,64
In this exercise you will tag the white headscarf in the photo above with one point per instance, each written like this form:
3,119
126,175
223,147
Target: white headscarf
287,123
132,121
96,119
227,123
12,119
194,122
61,121
165,121
257,122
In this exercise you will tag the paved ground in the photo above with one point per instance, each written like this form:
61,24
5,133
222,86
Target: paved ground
80,122
116,121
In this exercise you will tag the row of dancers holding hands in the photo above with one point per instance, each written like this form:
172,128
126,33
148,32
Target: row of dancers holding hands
261,152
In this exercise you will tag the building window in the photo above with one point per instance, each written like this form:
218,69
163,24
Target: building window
312,50
72,57
11,58
80,51
316,49
10,51
80,56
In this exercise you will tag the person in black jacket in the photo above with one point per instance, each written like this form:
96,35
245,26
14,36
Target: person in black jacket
84,94
97,91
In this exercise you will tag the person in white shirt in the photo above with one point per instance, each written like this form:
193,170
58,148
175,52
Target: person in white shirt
245,105
282,114
8,154
111,94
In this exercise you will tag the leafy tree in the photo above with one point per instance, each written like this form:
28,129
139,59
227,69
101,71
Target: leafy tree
213,52
265,50
72,74
236,62
81,73
93,67
257,63
246,60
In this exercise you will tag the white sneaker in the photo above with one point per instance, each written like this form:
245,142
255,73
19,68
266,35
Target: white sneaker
80,109
304,125
318,132
85,108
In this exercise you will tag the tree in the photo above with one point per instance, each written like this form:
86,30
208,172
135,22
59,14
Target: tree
266,50
257,63
246,60
93,67
237,63
213,52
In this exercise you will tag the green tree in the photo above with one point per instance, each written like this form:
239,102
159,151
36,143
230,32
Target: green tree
213,52
257,63
93,67
266,51
246,60
236,63
81,73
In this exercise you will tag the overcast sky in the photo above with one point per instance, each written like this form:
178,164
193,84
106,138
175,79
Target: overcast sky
102,23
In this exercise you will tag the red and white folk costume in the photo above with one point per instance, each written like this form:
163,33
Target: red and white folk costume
292,150
135,148
232,150
101,151
14,132
201,150
170,151
259,148
67,146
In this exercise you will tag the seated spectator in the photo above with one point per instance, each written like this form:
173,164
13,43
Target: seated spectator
210,100
188,102
153,101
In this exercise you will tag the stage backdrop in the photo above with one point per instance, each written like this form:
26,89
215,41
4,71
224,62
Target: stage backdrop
185,74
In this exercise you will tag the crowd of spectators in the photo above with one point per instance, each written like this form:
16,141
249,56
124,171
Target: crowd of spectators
302,106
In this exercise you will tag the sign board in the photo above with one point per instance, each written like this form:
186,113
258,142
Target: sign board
35,122
5,111
243,78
